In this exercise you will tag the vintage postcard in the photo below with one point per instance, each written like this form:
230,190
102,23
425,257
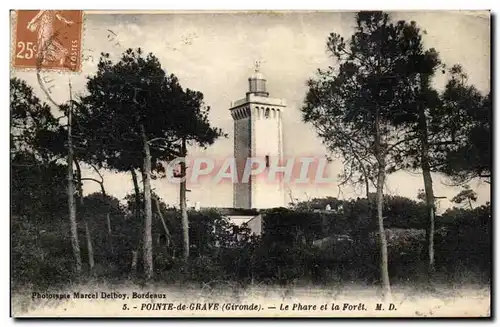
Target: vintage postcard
250,164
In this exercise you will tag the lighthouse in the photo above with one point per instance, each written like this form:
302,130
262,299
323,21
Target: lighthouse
258,133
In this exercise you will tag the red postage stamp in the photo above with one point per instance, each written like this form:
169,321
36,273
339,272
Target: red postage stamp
48,39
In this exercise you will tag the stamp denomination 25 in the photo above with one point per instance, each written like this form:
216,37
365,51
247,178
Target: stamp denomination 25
48,39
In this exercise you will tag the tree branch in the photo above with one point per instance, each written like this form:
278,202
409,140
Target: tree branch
401,141
163,139
97,171
91,179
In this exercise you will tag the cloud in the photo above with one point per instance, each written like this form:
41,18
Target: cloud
214,53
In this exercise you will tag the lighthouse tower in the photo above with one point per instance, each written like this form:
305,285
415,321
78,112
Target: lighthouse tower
258,134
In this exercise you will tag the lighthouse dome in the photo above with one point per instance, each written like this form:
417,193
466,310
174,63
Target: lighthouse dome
257,75
257,83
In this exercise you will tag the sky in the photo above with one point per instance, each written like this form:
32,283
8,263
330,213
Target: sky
215,53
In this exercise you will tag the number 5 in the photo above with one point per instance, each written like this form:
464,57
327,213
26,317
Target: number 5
30,49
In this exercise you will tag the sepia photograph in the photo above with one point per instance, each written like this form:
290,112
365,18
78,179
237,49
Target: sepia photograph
250,164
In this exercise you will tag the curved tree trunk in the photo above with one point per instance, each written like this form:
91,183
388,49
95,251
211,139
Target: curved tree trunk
148,213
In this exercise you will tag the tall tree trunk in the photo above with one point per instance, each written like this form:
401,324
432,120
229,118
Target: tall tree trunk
367,189
384,261
88,237
183,207
160,215
364,234
365,174
89,246
135,247
71,198
429,192
108,218
137,193
133,265
148,213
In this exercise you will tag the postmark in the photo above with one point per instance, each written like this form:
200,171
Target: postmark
48,40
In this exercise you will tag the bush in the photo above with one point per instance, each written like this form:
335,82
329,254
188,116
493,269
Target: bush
39,258
204,269
287,252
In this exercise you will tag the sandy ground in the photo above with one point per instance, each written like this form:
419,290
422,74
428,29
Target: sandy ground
227,300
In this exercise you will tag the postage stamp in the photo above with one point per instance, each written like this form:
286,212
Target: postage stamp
283,164
48,39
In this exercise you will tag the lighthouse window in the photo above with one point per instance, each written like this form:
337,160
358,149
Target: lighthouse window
267,113
267,161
